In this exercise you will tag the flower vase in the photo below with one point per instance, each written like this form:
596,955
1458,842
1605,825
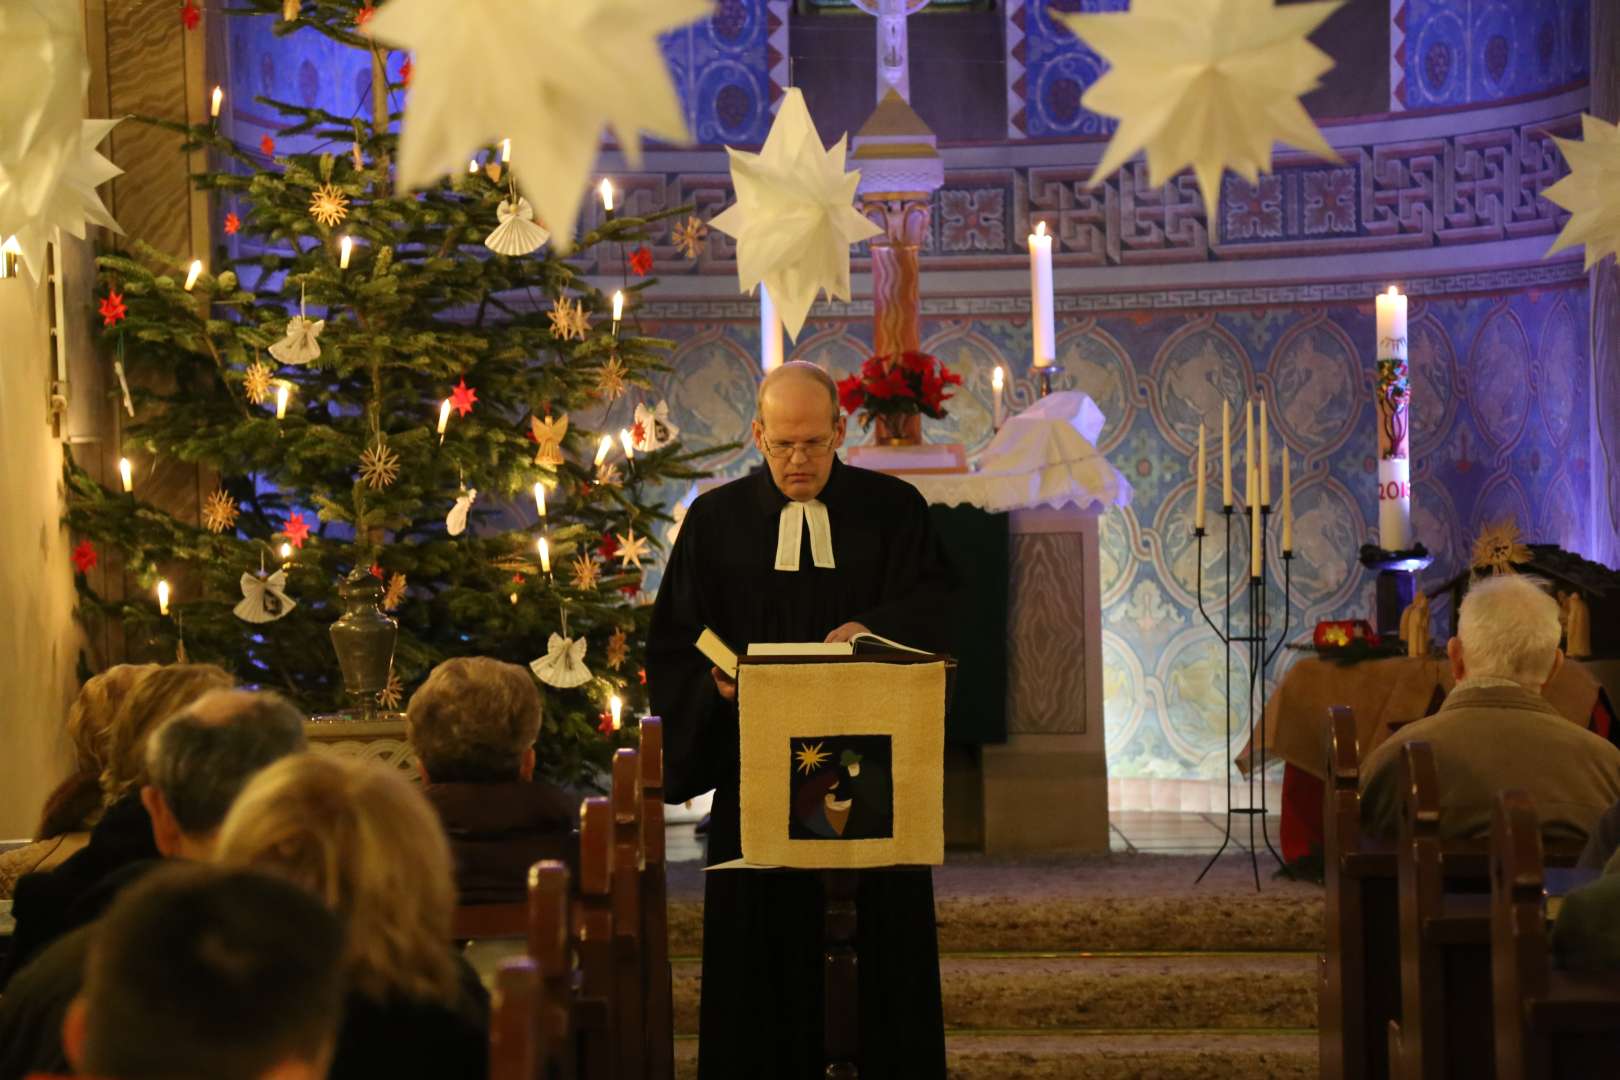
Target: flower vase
897,429
363,638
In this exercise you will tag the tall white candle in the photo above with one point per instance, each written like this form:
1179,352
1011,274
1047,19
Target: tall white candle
1394,461
1040,296
996,379
770,332
616,707
1198,513
126,473
1226,454
1287,505
1255,552
215,102
193,273
1248,454
1265,457
283,392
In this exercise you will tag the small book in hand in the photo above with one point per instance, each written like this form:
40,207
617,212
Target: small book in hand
724,657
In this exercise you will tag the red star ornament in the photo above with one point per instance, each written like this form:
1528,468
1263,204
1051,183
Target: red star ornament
84,557
364,15
405,72
296,530
112,308
462,398
233,224
190,15
609,547
638,434
377,571
605,725
268,145
641,260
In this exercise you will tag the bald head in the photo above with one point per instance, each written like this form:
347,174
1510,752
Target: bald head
797,385
799,428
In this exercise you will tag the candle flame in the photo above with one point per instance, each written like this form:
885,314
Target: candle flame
193,274
506,151
125,473
997,377
545,555
163,596
1040,228
607,194
1392,291
283,388
286,550
616,707
345,249
540,497
604,448
472,166
216,102
444,417
628,443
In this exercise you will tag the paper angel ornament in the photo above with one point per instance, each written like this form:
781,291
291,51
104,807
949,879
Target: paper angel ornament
264,599
1211,85
563,666
1588,191
518,233
299,346
794,217
652,429
455,523
548,432
548,74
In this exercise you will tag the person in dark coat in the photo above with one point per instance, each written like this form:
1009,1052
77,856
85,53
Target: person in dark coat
809,549
473,725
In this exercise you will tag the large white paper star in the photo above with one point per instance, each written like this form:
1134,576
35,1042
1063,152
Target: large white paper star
1206,83
74,202
1588,191
548,74
794,217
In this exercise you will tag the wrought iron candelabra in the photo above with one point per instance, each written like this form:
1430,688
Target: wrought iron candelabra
1257,656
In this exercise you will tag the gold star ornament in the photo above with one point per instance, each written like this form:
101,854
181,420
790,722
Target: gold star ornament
586,573
610,378
1210,85
568,320
328,205
395,594
618,647
631,548
689,236
256,382
811,758
219,511
379,466
1588,191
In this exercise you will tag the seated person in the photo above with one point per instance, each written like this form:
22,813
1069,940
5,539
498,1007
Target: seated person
197,763
76,804
361,837
1586,936
1496,731
46,904
198,972
473,724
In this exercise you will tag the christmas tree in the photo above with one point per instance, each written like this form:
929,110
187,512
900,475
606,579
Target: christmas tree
405,383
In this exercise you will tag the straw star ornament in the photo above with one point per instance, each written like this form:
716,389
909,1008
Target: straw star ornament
1588,191
328,205
256,382
631,549
568,320
379,465
610,378
1210,84
585,573
219,511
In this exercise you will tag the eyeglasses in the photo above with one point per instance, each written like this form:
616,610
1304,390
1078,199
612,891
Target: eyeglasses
783,450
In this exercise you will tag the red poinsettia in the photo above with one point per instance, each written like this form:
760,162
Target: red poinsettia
641,260
112,308
233,224
190,15
405,72
268,145
297,529
85,557
462,398
913,382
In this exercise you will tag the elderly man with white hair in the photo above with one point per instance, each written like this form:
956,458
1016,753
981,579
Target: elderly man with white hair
1495,729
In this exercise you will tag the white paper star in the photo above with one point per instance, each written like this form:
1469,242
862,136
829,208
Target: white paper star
73,203
794,217
1588,191
548,74
1210,84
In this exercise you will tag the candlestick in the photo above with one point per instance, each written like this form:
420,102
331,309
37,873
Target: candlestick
996,379
545,555
1287,506
1255,552
283,389
163,596
193,274
1265,457
1040,299
628,443
1394,424
1198,512
444,418
217,100
603,449
540,498
606,190
1226,454
126,474
345,249
770,332
616,707
1248,454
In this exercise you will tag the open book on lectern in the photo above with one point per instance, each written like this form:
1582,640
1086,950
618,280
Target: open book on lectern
724,657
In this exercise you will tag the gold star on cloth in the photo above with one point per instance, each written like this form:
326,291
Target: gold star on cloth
568,320
390,696
548,432
586,573
610,381
1588,191
395,594
689,236
1498,548
793,219
631,548
256,382
618,648
811,758
1211,85
379,466
219,511
328,205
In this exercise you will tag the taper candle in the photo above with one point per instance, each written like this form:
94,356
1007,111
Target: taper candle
345,249
607,194
216,101
1255,552
1265,457
603,449
1287,505
616,707
1040,296
545,555
283,391
629,444
163,596
193,273
444,417
1248,454
126,474
1198,512
540,497
1226,454
997,378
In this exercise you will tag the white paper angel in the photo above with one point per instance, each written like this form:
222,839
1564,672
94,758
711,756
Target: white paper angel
652,429
518,233
264,599
299,346
563,666
455,522
679,514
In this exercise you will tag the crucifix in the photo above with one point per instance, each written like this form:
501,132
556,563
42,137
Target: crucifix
893,61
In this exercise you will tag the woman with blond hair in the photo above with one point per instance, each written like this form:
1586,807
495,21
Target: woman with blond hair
358,835
49,904
77,803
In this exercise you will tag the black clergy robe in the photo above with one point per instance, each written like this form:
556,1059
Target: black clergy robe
762,1002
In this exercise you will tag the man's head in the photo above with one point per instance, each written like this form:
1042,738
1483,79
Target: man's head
198,761
155,698
1507,629
798,427
197,972
474,721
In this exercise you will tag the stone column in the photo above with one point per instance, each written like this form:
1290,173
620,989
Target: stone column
896,303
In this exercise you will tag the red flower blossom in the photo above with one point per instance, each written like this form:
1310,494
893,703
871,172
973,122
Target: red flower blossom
462,398
405,72
909,383
296,530
112,308
641,260
851,395
268,145
233,224
189,15
85,557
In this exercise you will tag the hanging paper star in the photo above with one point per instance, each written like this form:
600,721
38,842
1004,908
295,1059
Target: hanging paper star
364,15
379,465
632,548
219,511
328,205
395,594
641,260
689,236
189,15
112,308
568,320
463,397
608,546
604,723
268,145
793,219
42,83
233,224
72,203
548,432
405,72
585,573
296,529
610,381
617,649
549,74
256,382
376,571
85,557
1208,85
1588,191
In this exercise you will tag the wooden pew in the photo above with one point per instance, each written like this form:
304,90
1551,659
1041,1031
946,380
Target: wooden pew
514,1037
1549,1025
628,866
657,987
531,1032
591,933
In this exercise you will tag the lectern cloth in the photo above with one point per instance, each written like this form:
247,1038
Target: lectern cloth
762,965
